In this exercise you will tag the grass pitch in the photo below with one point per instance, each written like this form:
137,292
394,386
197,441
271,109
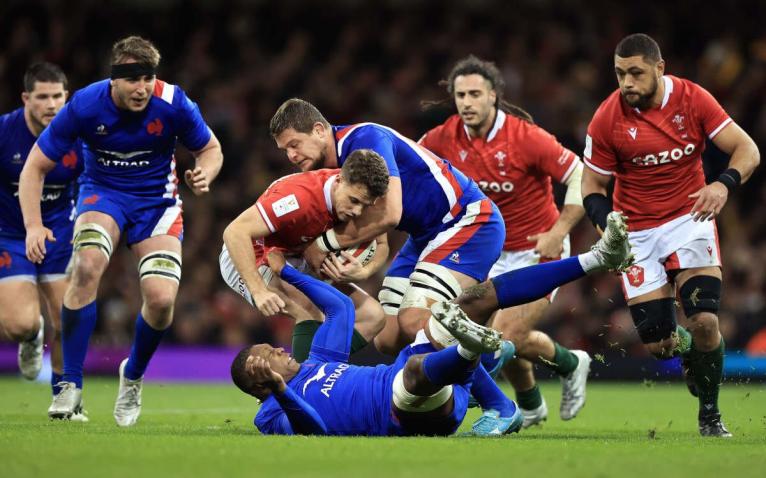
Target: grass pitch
633,429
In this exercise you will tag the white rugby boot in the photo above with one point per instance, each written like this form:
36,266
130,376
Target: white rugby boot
536,416
31,354
127,408
472,336
573,387
613,249
66,402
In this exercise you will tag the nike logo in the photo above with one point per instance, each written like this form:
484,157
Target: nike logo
632,132
317,377
119,155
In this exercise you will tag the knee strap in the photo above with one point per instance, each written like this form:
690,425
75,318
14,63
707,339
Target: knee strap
93,235
164,264
407,402
430,283
391,294
701,294
655,320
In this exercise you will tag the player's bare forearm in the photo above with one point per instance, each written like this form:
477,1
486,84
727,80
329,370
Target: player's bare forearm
380,257
210,159
744,153
31,185
570,215
238,237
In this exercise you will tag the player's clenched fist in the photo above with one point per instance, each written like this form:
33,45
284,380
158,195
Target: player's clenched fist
268,303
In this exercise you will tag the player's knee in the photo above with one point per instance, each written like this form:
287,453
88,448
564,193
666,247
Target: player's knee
411,321
87,268
159,299
663,349
370,314
655,320
409,398
22,327
703,325
701,294
412,375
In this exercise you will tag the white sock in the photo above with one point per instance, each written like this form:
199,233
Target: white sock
589,262
465,353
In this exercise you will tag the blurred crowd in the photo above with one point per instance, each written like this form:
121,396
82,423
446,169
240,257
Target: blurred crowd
376,61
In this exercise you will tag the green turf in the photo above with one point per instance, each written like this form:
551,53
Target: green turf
206,430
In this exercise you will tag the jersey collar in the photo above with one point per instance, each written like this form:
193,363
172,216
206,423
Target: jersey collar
668,90
328,191
499,121
666,97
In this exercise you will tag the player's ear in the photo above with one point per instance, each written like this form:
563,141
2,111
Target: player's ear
660,67
24,97
320,129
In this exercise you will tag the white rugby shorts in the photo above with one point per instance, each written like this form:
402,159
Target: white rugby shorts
678,244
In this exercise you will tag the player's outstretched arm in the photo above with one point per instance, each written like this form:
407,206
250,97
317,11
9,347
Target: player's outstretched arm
745,157
30,192
238,237
332,342
209,161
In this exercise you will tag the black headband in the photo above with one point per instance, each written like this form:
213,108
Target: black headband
132,70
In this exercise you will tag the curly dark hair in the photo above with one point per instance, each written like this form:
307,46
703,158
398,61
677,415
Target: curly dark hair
366,167
473,65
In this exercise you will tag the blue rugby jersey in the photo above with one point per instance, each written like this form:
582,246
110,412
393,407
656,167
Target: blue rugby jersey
349,399
131,152
433,191
58,190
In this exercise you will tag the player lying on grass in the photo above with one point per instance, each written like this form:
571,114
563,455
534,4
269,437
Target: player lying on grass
425,392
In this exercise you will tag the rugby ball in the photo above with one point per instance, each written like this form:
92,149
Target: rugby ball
363,252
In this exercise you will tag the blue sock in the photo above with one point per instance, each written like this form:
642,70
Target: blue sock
77,327
56,378
490,360
146,342
535,282
488,394
447,366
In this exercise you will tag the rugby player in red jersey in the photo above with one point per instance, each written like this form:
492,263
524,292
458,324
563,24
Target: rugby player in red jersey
288,216
514,162
649,134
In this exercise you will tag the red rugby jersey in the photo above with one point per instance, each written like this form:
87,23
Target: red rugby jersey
513,165
296,208
654,155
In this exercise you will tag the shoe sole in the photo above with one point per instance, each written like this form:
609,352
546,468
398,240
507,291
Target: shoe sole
465,330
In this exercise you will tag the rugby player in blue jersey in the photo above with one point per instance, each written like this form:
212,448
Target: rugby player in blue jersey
456,232
27,288
425,391
129,125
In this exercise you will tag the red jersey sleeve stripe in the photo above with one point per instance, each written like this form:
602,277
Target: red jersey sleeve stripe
265,217
719,128
592,166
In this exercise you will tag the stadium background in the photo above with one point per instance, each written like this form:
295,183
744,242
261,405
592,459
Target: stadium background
239,59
